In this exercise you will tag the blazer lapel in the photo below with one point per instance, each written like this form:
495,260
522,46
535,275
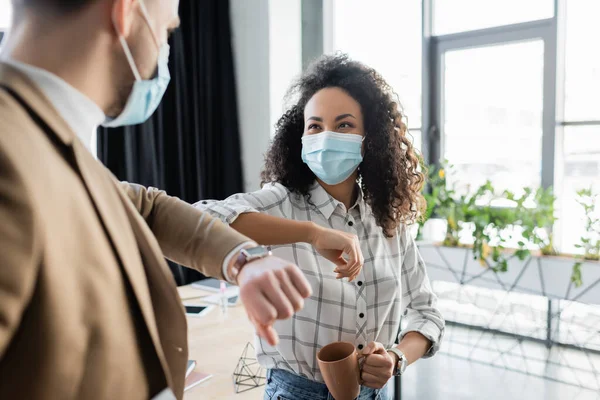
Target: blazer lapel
116,221
168,308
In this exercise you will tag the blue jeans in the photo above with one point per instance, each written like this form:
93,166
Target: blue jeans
284,385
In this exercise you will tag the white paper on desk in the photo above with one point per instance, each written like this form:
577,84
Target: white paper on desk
195,379
210,285
230,291
216,298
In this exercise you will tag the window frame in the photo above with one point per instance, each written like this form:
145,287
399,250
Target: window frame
4,29
436,46
328,48
552,32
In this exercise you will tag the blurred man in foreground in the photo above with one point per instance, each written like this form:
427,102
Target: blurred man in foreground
88,308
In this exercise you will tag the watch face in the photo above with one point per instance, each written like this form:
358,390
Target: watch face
402,363
256,252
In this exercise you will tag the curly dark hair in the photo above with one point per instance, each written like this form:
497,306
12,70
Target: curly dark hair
388,175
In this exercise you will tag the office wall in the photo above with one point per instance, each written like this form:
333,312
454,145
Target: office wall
267,55
285,51
250,35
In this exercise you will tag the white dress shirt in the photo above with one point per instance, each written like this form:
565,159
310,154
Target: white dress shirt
393,281
79,112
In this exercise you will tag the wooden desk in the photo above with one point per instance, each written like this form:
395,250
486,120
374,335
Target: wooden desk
216,343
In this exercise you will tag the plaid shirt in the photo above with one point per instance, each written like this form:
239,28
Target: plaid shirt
392,283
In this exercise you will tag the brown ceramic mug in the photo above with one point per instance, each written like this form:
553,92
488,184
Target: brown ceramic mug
338,362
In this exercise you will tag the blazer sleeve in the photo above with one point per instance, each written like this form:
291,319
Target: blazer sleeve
185,234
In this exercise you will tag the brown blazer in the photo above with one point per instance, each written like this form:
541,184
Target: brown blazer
88,306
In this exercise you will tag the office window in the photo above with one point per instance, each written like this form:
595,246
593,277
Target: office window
579,145
415,135
582,64
492,114
489,99
386,35
5,14
452,16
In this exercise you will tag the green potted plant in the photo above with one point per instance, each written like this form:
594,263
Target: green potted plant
435,193
533,212
492,227
515,240
500,234
589,243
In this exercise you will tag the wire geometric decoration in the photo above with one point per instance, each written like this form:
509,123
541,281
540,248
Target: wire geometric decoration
248,373
526,320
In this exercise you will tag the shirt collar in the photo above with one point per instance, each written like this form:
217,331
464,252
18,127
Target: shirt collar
79,112
326,204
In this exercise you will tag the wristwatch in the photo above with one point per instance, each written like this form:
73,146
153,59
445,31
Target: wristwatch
402,361
246,256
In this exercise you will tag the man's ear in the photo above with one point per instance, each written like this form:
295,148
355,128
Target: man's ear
123,13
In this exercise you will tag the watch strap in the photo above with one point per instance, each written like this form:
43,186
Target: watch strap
242,260
401,366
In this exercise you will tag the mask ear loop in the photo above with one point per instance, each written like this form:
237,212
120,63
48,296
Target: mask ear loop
127,52
125,46
363,147
358,170
146,15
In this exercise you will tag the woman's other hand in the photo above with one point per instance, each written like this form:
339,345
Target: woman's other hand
378,366
341,248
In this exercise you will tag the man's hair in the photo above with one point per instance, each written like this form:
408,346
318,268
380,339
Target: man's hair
60,6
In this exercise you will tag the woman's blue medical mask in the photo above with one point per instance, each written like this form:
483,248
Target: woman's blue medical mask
145,95
332,156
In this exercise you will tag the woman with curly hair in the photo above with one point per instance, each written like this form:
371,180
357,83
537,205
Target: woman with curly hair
341,178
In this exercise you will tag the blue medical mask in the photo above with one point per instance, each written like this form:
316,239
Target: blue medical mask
332,156
145,95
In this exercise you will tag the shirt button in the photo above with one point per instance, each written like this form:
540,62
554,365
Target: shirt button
361,315
350,223
360,346
359,283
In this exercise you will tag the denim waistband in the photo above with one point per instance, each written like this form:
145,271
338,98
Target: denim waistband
293,382
310,389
